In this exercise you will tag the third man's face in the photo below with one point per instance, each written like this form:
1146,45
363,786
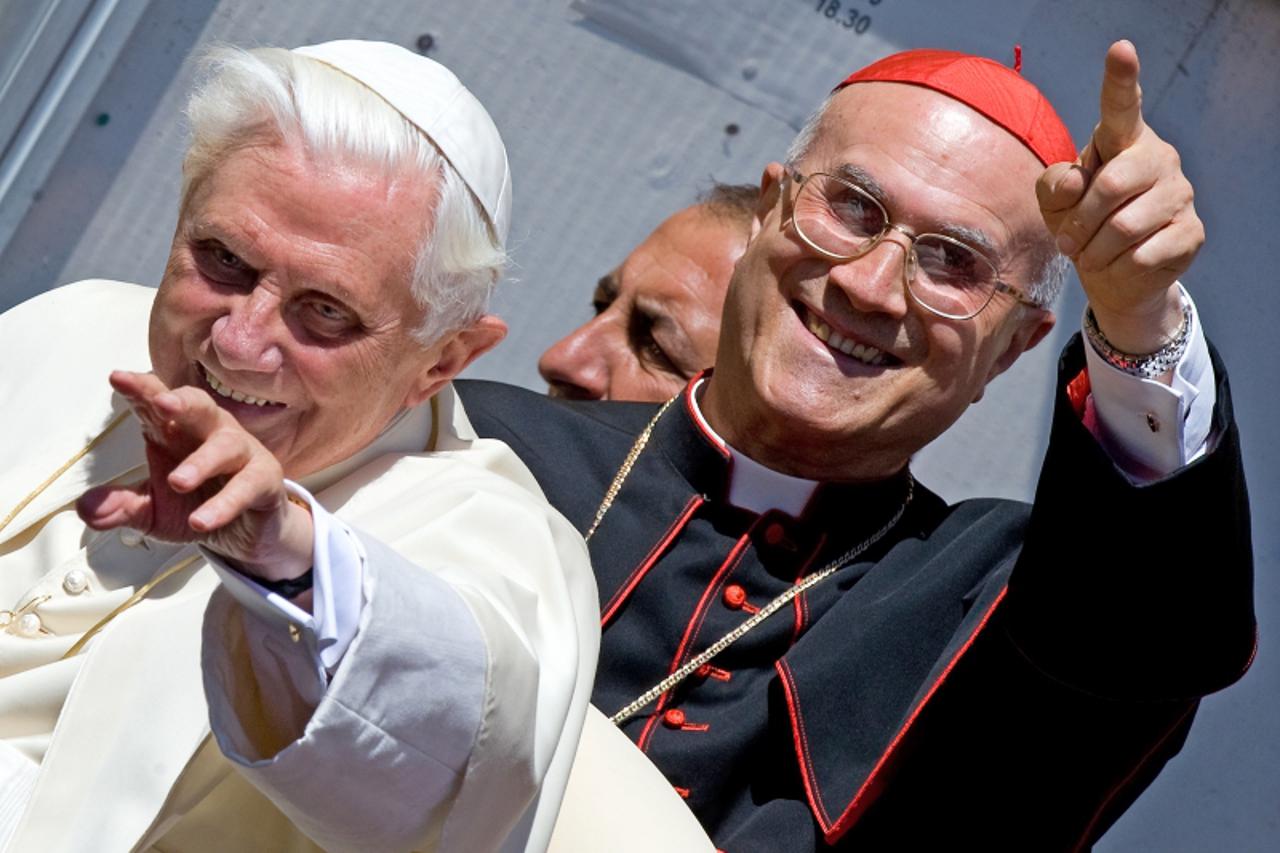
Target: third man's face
657,315
785,391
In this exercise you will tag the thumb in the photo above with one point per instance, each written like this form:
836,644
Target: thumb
1059,189
107,507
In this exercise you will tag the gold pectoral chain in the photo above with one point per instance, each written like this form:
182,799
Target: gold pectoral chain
692,666
66,466
138,594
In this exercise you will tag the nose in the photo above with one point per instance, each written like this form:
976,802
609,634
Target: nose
247,337
576,365
876,282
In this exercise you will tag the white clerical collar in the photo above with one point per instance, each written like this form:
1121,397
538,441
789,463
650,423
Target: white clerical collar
752,486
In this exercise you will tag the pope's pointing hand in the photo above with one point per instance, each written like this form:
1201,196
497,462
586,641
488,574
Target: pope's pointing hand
1123,213
209,481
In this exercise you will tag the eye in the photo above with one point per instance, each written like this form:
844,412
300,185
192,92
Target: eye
945,262
658,356
218,263
647,349
228,259
855,211
326,319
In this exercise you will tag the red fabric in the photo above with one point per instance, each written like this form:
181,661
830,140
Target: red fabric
998,92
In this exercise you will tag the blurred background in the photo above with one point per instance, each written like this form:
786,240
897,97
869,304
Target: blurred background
618,112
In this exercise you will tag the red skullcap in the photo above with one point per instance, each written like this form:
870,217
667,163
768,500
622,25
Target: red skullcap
998,92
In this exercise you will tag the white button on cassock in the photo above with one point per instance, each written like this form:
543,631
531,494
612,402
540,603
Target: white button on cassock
75,582
29,625
130,538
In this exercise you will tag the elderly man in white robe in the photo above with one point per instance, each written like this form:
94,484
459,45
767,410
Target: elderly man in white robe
400,634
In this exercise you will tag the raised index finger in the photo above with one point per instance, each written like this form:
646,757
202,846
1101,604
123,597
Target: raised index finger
1121,102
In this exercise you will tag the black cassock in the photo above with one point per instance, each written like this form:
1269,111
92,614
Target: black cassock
989,674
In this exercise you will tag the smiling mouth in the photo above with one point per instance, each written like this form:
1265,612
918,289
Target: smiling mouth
833,339
226,391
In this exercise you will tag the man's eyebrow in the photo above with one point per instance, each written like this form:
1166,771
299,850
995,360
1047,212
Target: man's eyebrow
863,178
606,288
973,238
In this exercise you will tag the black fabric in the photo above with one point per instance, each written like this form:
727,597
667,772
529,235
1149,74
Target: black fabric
982,675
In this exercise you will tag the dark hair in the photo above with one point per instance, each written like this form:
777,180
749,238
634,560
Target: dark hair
734,203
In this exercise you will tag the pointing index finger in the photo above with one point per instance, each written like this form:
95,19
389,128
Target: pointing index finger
1121,102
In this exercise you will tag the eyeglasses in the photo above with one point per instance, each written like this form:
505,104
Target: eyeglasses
843,221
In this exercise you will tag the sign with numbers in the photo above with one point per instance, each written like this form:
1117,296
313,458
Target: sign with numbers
785,55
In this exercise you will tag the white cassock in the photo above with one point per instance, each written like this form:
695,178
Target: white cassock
450,723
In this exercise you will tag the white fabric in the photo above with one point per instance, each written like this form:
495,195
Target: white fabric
431,97
1129,406
760,489
17,780
463,689
635,811
338,573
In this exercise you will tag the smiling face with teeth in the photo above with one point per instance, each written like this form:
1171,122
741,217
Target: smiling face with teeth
829,370
287,299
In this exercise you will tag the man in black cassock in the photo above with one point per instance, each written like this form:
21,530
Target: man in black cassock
893,670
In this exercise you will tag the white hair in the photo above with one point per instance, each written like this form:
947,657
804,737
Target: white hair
274,94
1049,267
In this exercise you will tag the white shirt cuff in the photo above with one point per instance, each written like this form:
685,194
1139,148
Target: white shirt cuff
1151,429
337,588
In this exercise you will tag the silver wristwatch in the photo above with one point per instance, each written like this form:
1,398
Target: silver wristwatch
1148,366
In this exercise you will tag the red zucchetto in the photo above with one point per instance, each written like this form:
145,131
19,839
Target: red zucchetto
998,92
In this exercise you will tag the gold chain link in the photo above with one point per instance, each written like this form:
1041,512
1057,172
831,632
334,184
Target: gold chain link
621,477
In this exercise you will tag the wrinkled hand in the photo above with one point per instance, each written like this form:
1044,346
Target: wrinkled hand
210,481
1123,213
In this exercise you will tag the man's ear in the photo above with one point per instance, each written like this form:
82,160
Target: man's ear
1030,331
450,355
770,187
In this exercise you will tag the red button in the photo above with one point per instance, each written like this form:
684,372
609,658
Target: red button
734,596
773,533
673,718
703,671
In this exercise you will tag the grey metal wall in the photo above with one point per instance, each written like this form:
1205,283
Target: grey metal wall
607,138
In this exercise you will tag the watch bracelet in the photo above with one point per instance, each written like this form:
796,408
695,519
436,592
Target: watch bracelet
1150,365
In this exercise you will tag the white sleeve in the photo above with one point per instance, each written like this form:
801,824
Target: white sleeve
370,760
454,713
337,570
1151,429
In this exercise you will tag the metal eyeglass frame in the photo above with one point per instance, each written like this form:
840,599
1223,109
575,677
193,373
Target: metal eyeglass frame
910,260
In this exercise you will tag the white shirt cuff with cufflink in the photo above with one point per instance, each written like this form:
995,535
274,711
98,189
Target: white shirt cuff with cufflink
1149,428
337,589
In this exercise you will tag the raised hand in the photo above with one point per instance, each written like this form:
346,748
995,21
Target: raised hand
1124,214
209,481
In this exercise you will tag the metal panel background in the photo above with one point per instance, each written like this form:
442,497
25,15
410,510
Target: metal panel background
606,140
